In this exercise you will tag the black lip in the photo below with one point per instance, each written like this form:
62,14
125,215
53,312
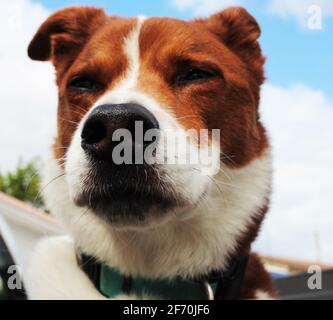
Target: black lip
132,203
126,191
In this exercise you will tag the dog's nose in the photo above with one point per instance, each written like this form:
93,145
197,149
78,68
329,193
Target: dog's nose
98,131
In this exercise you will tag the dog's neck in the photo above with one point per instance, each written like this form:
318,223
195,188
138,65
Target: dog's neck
189,247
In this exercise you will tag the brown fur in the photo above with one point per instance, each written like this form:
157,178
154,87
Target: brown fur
256,279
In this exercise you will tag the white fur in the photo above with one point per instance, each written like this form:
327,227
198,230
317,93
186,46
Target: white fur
185,244
132,52
54,274
181,246
262,295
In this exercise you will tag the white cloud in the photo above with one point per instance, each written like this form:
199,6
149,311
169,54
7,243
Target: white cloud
28,94
299,9
203,7
300,122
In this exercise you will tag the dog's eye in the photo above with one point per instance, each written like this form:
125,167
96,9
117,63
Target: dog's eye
84,83
195,75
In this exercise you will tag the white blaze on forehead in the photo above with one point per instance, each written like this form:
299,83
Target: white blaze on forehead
132,51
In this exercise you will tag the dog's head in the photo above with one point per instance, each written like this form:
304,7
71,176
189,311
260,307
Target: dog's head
154,77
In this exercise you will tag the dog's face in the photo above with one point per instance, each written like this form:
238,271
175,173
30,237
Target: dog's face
167,75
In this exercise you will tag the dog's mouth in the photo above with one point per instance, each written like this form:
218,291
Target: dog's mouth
122,198
117,204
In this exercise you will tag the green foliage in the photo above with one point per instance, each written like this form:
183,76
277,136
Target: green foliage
24,183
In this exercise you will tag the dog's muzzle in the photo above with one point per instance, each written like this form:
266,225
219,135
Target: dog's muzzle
120,183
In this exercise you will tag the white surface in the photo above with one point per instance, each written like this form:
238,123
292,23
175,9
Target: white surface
21,226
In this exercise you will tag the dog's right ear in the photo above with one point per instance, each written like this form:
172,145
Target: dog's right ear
65,32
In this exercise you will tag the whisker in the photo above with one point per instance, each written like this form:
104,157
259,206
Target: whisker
31,179
43,189
78,113
77,106
225,156
69,121
188,116
61,148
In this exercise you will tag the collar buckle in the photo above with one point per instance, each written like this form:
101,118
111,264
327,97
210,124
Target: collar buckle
209,290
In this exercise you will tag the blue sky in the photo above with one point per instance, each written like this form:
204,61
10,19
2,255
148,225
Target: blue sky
295,54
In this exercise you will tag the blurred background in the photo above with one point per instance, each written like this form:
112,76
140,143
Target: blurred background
297,108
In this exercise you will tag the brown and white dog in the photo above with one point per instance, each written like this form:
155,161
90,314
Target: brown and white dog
162,221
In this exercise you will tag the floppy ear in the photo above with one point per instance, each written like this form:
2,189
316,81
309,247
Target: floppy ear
240,32
65,32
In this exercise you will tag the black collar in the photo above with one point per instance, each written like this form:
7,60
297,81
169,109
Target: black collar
227,283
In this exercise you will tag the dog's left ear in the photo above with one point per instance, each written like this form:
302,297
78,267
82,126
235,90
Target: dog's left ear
240,32
64,33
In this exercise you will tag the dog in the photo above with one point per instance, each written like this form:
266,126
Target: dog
160,222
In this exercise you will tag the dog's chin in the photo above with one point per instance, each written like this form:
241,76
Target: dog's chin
133,210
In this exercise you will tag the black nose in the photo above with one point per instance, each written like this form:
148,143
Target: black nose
98,131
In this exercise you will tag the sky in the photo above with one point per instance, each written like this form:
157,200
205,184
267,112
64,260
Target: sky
297,104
